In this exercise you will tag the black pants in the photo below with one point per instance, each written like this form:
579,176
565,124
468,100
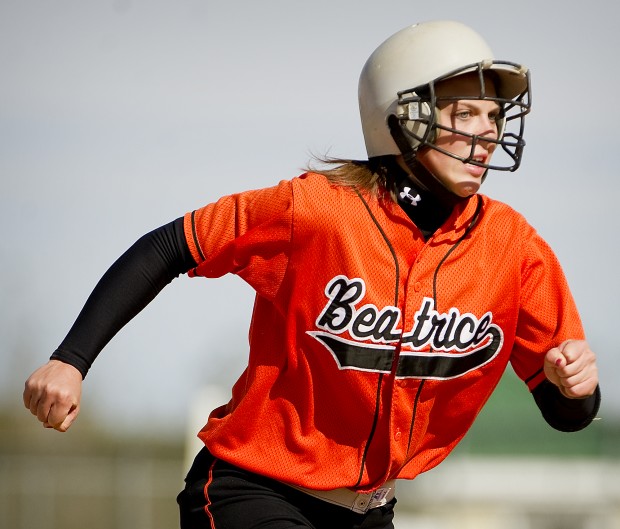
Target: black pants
218,495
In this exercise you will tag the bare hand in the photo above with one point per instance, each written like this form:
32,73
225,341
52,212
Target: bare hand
53,393
572,367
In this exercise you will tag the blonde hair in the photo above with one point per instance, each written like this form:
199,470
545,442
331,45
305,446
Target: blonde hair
364,175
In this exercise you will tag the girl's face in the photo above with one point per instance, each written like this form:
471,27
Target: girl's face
473,116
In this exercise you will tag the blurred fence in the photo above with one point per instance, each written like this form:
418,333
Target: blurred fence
513,493
77,492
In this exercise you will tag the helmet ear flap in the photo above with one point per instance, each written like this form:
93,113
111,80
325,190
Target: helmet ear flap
417,119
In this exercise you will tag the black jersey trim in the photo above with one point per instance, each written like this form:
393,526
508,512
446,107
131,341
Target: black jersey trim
195,236
468,230
381,375
529,379
389,244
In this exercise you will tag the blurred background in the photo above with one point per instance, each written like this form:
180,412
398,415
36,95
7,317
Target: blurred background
117,116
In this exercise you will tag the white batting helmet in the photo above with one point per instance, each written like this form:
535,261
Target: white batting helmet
397,85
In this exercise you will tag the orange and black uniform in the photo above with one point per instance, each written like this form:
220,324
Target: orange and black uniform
371,349
372,346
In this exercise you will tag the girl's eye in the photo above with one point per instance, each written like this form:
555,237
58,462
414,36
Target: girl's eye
463,114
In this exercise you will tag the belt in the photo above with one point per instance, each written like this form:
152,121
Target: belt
359,502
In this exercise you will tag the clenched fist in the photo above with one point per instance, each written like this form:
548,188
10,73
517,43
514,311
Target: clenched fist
52,393
572,368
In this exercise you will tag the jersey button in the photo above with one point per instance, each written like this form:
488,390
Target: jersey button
417,286
397,435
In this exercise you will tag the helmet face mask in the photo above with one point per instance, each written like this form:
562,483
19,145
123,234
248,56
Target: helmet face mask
399,100
418,109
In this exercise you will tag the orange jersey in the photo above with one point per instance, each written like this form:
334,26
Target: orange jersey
371,349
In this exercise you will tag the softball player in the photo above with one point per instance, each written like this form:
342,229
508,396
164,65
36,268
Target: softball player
390,297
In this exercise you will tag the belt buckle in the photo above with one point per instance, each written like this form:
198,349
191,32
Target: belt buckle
371,500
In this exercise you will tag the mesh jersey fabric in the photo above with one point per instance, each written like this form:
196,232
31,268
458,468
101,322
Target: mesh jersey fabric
371,351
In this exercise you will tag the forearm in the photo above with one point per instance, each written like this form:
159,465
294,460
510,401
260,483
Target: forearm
128,286
562,413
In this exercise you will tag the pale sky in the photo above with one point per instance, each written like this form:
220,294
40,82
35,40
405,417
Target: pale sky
119,116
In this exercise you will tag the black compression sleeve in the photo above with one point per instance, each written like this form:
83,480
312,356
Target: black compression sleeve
128,286
562,413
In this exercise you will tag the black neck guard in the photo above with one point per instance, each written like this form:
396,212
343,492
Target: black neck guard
422,197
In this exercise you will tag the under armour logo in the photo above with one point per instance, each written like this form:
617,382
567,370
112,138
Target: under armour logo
413,200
